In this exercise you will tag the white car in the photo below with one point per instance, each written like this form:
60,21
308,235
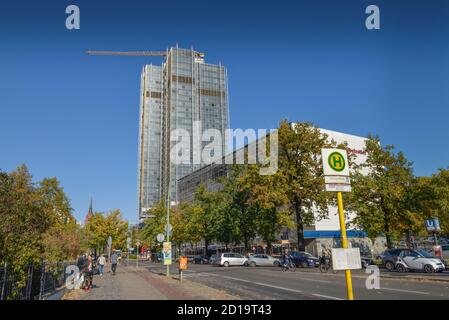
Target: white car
231,259
262,260
414,260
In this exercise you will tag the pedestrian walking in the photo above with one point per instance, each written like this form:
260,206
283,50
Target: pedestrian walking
114,260
101,264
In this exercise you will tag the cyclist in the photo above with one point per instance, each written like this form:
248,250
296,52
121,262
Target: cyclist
286,259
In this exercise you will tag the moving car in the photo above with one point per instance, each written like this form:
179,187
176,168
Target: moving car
262,260
231,259
304,259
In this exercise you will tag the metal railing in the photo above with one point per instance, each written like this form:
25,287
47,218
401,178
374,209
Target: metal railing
34,282
16,286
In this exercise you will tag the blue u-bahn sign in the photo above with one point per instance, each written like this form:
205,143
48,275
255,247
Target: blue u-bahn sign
433,225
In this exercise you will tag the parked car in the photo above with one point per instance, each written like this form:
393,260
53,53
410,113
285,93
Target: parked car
200,260
231,259
406,259
262,260
304,259
390,257
431,254
157,257
366,261
190,258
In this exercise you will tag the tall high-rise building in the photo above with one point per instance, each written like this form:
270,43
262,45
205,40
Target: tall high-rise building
181,93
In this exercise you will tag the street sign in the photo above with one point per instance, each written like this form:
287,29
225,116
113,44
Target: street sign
337,179
335,162
433,225
346,259
170,228
128,243
166,251
138,243
160,237
336,187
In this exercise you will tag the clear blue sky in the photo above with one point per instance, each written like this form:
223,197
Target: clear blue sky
74,116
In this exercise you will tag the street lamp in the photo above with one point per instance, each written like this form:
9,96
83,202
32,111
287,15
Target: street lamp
137,253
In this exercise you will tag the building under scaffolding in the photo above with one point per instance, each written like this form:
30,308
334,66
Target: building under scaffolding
323,233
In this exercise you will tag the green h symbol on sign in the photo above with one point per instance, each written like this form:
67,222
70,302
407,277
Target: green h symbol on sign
336,161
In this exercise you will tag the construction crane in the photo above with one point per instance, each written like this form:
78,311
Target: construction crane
135,53
128,53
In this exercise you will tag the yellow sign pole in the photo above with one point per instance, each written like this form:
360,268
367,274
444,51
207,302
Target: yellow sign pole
344,241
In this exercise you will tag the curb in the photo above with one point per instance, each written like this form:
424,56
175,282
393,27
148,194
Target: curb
416,278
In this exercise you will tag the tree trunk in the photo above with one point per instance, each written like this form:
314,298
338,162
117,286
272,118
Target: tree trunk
387,233
269,247
206,245
408,239
299,227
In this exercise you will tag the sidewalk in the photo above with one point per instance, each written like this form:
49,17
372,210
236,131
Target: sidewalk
129,284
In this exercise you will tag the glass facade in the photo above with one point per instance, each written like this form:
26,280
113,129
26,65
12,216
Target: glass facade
182,92
150,140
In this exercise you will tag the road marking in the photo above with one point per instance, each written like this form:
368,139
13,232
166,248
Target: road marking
276,287
403,290
327,297
315,280
232,278
307,279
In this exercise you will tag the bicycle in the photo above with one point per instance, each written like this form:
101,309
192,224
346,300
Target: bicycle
290,265
326,264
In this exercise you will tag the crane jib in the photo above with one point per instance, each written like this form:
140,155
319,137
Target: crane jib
135,53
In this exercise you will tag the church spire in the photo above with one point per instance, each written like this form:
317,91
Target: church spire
90,213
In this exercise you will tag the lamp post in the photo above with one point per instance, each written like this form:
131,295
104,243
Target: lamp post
128,246
137,253
167,231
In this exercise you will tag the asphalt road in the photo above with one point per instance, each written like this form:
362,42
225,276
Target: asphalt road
272,283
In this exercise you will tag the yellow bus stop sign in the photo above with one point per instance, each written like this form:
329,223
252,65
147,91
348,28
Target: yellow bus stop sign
336,161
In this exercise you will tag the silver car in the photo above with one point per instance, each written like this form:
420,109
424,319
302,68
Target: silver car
416,260
231,259
263,260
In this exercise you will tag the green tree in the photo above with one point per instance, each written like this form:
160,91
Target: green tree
204,213
36,222
267,197
301,170
23,221
62,239
380,189
240,222
155,224
437,204
100,227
